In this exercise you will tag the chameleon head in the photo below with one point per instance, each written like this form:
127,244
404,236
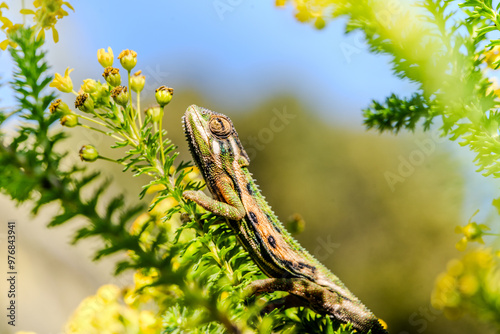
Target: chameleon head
213,139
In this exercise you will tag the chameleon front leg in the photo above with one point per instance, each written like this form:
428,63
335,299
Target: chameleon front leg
320,299
232,209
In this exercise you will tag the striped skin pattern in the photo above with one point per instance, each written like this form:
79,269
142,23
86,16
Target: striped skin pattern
223,162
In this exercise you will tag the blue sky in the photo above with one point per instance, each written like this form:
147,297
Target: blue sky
240,55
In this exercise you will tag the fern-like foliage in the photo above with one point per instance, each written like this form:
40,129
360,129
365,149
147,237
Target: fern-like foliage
397,113
28,163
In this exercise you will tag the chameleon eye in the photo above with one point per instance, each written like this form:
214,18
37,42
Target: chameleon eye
220,126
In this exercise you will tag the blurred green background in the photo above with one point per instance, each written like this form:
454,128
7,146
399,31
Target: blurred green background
295,95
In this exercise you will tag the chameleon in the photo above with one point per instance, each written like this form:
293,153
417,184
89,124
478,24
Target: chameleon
223,163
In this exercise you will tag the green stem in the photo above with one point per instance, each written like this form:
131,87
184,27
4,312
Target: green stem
111,127
139,109
130,90
23,6
101,131
111,160
92,120
161,138
131,115
103,119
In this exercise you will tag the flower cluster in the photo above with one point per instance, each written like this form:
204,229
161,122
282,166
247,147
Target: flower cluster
314,11
492,57
107,106
471,284
106,311
7,27
45,17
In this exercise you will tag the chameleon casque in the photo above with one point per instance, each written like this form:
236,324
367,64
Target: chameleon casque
223,162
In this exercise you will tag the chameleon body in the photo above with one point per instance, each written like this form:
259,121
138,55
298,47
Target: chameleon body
223,162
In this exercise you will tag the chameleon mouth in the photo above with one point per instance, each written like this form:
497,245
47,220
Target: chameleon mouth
190,138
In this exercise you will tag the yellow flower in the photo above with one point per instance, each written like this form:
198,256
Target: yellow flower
137,82
163,95
138,223
159,208
156,113
128,59
105,312
109,293
120,95
89,86
296,224
468,285
84,102
47,14
148,322
465,283
58,106
6,23
8,27
64,84
69,120
112,76
88,153
472,232
105,58
492,56
155,188
141,280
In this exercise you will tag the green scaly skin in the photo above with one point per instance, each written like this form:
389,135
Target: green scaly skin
223,162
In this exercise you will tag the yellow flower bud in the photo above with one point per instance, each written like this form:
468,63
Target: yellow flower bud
296,224
88,153
139,223
319,23
69,120
112,76
58,106
101,95
156,113
128,59
64,84
105,58
84,102
120,95
163,95
137,82
147,321
89,86
109,293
